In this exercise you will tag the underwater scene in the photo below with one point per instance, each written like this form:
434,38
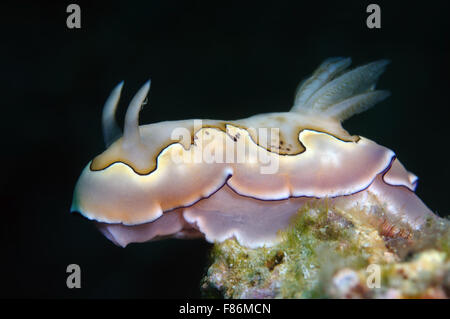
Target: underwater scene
193,150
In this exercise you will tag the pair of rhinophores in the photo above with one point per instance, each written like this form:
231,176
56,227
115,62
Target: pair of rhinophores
136,192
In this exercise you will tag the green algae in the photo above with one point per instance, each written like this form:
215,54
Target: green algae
319,242
314,232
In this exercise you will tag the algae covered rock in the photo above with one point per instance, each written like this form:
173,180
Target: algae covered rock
326,253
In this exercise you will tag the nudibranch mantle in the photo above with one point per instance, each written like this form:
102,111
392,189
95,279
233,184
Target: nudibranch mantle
245,178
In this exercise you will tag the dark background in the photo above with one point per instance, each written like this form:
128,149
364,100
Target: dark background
206,59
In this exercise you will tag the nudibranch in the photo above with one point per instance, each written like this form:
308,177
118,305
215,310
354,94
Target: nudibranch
245,178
